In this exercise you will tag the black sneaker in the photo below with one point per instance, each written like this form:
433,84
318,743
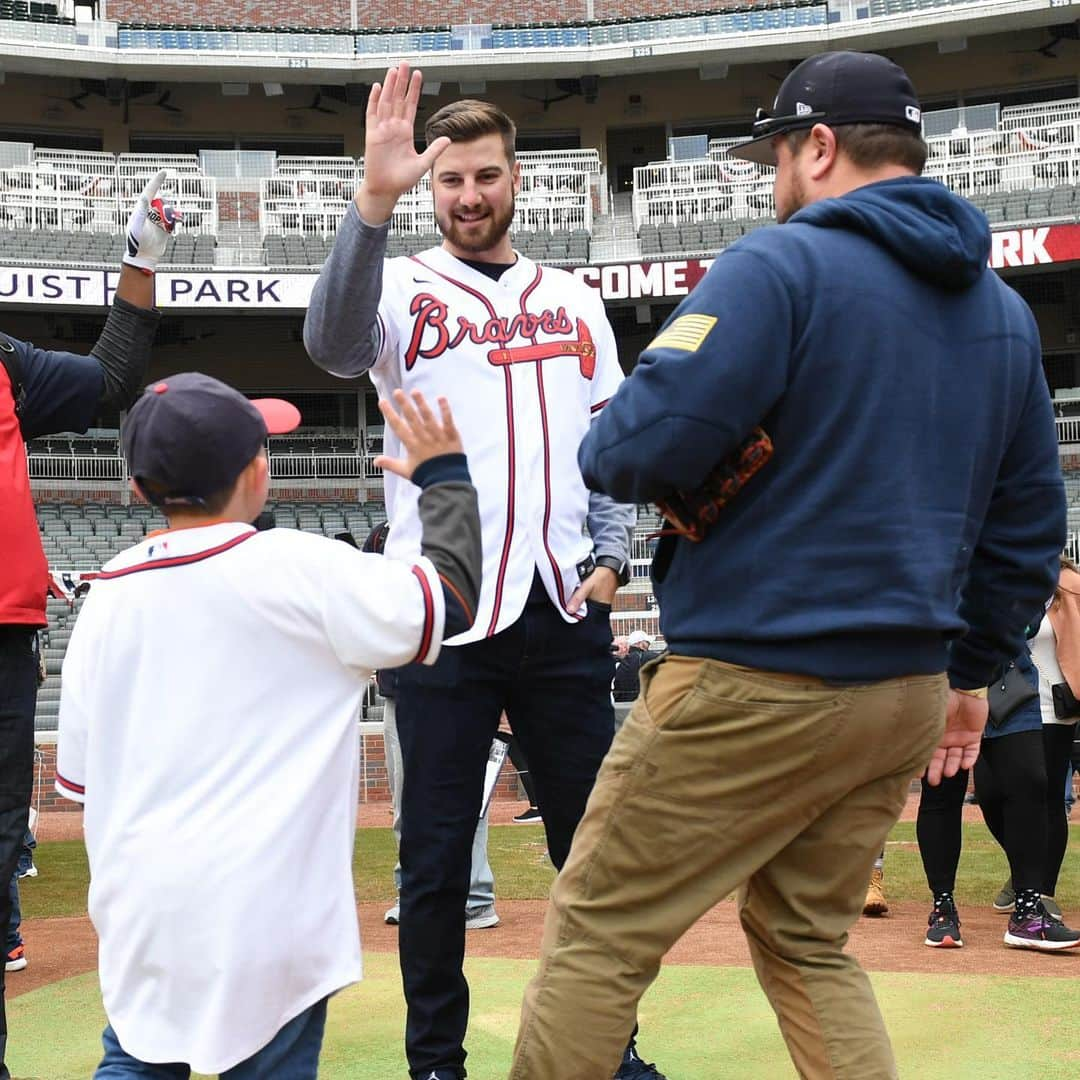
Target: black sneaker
1040,932
532,816
944,929
633,1068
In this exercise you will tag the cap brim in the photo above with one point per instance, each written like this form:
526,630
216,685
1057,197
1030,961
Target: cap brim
760,150
280,416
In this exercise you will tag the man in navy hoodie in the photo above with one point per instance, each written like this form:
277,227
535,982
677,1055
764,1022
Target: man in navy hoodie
834,632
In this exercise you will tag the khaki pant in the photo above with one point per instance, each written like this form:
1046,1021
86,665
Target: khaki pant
725,777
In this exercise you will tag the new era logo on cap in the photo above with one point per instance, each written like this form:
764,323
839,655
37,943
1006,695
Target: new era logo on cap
802,109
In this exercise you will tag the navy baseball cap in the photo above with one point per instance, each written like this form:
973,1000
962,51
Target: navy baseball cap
190,436
834,88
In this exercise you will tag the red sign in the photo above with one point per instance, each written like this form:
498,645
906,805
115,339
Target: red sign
1034,247
644,281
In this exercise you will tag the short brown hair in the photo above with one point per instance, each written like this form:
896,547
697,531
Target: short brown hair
870,146
468,120
212,504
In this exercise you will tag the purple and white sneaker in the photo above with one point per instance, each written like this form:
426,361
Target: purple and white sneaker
1039,931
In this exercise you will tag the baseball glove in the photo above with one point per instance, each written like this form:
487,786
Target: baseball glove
690,513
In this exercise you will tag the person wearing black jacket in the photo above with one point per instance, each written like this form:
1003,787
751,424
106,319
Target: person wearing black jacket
43,392
625,685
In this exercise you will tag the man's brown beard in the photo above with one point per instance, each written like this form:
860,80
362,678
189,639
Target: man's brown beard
495,228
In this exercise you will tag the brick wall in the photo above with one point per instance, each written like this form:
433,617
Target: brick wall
330,15
238,206
325,14
374,785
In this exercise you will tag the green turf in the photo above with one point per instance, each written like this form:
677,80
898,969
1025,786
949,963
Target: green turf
523,871
699,1023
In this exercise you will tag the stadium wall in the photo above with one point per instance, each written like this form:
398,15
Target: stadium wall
335,14
374,784
633,100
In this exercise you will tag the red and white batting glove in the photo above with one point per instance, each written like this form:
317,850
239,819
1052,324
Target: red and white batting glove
149,227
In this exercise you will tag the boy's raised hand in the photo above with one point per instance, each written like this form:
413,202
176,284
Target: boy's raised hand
423,435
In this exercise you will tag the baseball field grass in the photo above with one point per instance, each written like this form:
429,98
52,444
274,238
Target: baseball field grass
523,871
701,1023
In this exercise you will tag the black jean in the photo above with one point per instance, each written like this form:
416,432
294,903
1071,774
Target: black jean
18,692
553,680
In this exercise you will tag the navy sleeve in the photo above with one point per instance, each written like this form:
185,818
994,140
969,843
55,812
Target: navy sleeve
62,390
715,369
1014,566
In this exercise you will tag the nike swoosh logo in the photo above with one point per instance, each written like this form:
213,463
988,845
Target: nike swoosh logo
423,281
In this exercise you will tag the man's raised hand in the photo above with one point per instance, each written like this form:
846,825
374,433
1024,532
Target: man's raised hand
391,164
422,434
151,223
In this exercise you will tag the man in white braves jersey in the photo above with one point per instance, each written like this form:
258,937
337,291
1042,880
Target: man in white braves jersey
527,357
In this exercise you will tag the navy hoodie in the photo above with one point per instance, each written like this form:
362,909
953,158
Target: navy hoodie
914,499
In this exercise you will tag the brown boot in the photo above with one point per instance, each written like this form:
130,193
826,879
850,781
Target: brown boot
876,904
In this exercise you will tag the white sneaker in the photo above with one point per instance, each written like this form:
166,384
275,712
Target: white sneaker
393,916
482,919
30,871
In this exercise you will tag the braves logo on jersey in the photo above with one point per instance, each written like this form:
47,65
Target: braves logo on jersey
431,335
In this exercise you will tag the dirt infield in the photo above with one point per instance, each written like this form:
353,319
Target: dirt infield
59,948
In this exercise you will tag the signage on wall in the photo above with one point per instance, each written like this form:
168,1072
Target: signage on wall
671,279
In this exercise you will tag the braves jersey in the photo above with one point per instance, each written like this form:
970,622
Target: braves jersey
208,721
525,362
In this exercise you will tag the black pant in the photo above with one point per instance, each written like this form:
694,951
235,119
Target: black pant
18,691
553,680
1010,779
517,756
937,829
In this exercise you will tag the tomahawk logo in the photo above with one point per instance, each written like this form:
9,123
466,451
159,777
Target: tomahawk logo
583,348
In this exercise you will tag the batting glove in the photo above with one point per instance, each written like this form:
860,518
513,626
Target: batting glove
151,223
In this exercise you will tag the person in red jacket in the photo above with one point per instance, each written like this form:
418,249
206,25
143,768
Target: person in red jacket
43,392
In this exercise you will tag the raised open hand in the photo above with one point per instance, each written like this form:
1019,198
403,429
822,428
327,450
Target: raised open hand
391,164
423,435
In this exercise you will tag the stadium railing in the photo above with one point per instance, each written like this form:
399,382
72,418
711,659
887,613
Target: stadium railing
91,191
1031,149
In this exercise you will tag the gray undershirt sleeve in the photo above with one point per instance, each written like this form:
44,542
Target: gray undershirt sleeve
610,524
341,330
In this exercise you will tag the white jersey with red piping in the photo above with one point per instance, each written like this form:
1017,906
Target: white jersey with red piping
525,362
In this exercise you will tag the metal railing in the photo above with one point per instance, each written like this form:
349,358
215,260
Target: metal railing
303,204
283,466
1032,148
1068,429
95,195
76,467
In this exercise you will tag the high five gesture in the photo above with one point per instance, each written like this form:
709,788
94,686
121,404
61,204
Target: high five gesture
391,164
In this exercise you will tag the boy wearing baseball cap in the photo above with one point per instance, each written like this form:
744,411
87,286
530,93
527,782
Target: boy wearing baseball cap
210,694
